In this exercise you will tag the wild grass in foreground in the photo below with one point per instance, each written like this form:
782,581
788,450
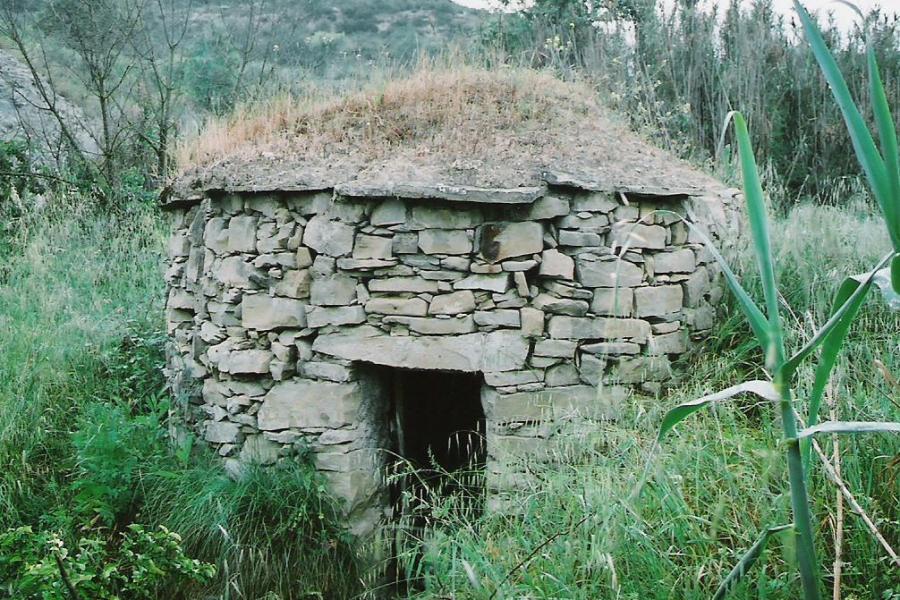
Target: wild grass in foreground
84,454
718,482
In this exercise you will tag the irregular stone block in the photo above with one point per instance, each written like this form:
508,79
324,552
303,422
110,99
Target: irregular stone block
643,368
532,322
222,432
612,348
303,403
509,378
561,375
294,284
415,285
413,307
579,239
428,217
561,306
555,348
668,343
246,362
547,207
334,290
679,261
474,352
498,283
583,328
499,241
257,450
234,271
265,313
325,370
497,318
639,236
554,404
332,238
594,202
613,301
242,234
372,246
609,273
319,316
453,303
584,222
556,264
696,286
430,326
438,241
389,212
215,236
406,243
658,300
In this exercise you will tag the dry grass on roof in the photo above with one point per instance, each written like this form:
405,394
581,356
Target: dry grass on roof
437,110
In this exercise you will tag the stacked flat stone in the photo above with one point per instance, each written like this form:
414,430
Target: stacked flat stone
566,300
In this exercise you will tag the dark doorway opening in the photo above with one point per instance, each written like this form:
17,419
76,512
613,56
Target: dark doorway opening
439,447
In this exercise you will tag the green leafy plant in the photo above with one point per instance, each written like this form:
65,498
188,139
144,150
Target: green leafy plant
882,171
137,565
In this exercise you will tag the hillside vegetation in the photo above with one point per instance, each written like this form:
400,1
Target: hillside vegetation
94,494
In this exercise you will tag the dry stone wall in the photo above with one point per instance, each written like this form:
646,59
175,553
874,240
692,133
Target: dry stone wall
281,306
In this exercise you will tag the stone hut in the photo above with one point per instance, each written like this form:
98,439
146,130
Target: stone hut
368,277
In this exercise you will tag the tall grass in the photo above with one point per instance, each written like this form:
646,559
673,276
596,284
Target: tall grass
716,483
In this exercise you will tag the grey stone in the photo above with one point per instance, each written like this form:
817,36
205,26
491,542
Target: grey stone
302,403
412,307
679,261
613,301
242,234
500,241
405,243
532,322
609,273
455,193
454,303
579,238
548,207
294,284
432,326
518,266
222,432
560,306
560,375
521,284
389,212
325,370
512,378
332,238
257,450
696,286
334,290
372,246
246,362
497,318
554,404
585,222
265,313
594,202
657,301
365,264
493,283
566,289
234,271
591,369
474,352
215,235
556,264
643,368
639,236
669,343
439,241
415,285
555,348
582,328
319,316
612,348
428,217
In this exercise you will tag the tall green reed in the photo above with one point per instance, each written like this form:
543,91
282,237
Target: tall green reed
882,170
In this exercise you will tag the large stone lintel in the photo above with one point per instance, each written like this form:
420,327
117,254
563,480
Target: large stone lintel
455,193
471,353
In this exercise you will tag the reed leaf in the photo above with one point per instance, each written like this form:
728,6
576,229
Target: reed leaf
850,427
763,389
888,136
743,565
